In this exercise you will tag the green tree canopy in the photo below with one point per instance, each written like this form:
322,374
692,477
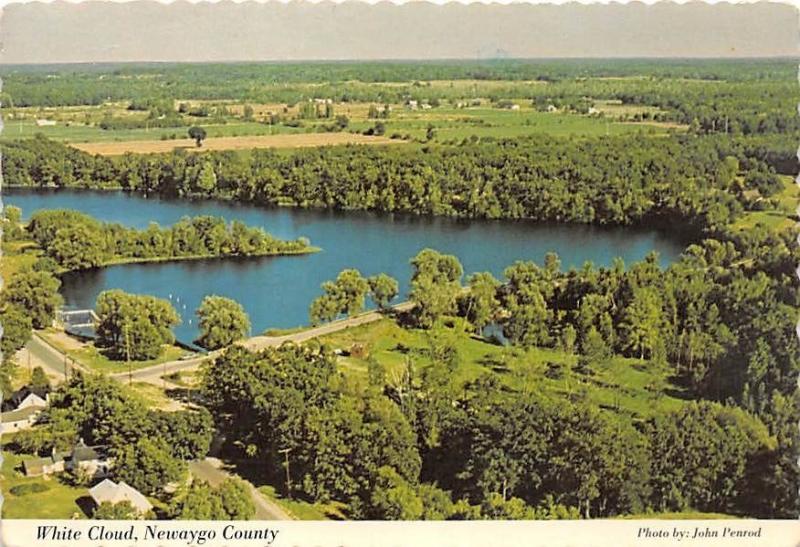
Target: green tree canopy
222,322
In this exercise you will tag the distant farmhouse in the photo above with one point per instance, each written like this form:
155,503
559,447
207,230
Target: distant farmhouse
111,492
21,410
92,461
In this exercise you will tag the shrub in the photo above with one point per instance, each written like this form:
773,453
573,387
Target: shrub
30,488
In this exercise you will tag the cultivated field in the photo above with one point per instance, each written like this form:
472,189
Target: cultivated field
231,143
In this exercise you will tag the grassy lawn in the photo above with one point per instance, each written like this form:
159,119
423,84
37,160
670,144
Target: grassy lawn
781,218
18,255
94,359
303,510
629,387
57,502
86,354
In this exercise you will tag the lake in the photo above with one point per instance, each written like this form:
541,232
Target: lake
276,291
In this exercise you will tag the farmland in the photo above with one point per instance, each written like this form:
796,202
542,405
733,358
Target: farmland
231,143
536,372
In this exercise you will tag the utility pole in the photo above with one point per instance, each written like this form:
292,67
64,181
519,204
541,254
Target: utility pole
285,453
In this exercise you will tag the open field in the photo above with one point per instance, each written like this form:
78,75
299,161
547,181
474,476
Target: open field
231,143
630,387
778,218
452,121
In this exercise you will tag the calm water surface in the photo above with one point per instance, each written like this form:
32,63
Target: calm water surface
276,291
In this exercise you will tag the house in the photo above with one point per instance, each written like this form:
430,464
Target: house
44,123
17,420
92,461
22,409
412,104
27,397
111,492
552,108
45,466
514,107
593,110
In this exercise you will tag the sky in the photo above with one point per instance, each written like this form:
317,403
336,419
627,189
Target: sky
117,31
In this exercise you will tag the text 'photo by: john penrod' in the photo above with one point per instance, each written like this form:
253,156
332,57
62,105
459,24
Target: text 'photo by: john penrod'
272,261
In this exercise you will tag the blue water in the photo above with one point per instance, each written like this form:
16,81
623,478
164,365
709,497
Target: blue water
276,291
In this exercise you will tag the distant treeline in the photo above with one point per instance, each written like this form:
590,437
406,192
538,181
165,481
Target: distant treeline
612,180
748,97
77,241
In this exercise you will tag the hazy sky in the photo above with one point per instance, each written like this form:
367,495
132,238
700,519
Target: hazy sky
151,31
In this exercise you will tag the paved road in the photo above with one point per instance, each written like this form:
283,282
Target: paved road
46,356
154,373
211,470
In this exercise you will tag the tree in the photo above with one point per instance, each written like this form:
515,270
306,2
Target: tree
222,322
198,134
12,219
594,351
17,330
236,500
39,379
231,500
383,289
393,498
148,466
77,247
430,134
435,285
187,432
701,455
643,322
481,305
122,510
135,324
524,298
345,295
207,178
37,294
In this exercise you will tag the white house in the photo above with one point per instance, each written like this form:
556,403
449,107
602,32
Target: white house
17,420
92,461
111,492
44,123
27,397
22,409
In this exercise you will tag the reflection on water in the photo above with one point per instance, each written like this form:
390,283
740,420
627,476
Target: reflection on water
276,291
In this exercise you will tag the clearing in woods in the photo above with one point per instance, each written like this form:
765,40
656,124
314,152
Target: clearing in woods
231,143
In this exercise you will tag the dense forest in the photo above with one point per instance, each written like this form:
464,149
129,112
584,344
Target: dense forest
620,180
421,444
722,318
76,241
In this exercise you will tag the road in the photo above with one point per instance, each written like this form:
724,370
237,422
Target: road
154,373
42,354
211,470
